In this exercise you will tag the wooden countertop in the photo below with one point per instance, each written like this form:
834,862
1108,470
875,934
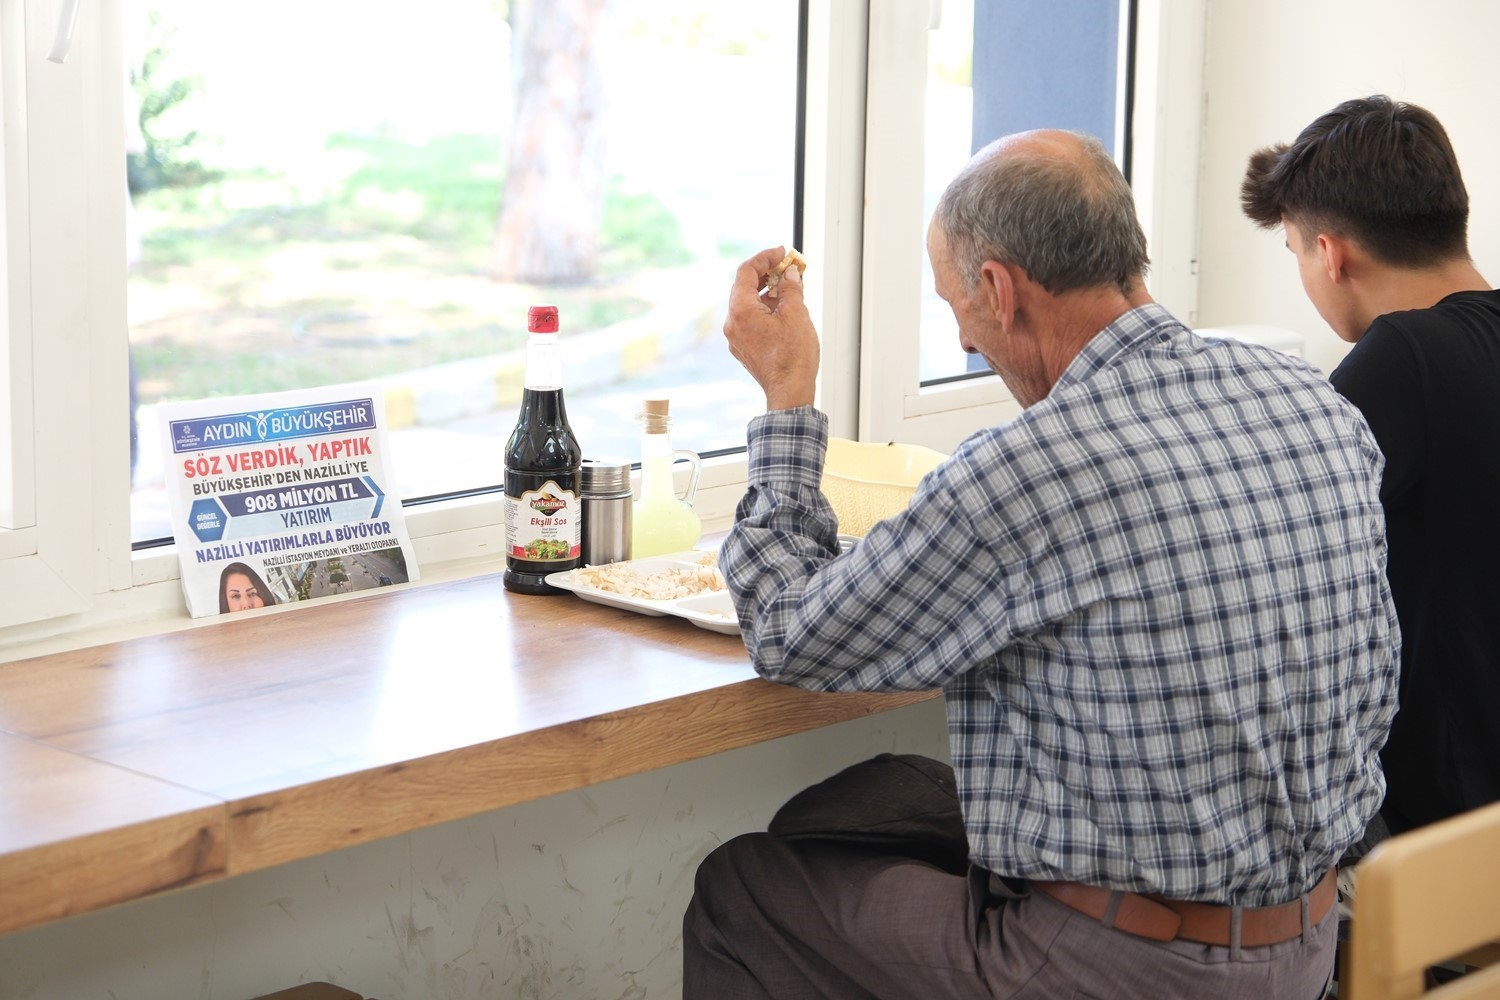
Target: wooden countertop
137,767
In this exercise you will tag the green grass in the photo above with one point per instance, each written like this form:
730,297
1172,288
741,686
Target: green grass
456,179
251,284
639,232
197,368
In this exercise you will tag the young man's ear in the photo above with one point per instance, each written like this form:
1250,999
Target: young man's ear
1333,251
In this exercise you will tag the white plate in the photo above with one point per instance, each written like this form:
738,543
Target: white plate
713,611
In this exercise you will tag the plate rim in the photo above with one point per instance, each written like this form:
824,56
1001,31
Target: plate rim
646,606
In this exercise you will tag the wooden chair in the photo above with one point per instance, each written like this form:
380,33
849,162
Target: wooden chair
1424,898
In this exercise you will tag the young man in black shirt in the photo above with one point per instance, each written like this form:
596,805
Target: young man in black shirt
1376,213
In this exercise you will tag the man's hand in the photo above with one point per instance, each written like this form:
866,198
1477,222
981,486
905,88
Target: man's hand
773,338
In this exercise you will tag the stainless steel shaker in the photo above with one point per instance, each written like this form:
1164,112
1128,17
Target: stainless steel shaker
604,488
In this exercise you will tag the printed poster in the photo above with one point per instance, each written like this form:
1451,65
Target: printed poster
283,497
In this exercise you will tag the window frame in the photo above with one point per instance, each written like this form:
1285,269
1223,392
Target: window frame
17,467
894,405
71,576
60,448
1164,81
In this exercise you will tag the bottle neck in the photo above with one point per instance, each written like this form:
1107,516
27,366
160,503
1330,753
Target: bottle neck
656,465
543,362
543,407
655,443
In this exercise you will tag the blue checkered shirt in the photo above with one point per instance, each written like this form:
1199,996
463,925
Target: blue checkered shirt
1155,602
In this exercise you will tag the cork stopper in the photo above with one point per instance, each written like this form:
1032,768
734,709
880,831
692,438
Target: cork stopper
541,319
653,415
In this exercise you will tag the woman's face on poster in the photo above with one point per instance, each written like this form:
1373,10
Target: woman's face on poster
240,593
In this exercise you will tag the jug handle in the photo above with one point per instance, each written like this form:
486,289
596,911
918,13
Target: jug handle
683,455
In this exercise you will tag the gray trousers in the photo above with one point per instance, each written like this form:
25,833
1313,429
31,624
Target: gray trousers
778,919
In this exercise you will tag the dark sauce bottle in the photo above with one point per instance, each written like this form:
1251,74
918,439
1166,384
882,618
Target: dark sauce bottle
542,463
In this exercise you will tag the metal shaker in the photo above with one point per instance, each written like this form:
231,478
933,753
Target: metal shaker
604,492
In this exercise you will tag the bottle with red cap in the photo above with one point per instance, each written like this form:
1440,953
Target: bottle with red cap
542,464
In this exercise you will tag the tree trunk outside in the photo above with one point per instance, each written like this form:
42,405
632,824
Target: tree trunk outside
552,205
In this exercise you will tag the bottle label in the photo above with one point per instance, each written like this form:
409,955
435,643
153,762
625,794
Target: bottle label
541,525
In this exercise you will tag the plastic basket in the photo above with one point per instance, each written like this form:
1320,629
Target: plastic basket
867,483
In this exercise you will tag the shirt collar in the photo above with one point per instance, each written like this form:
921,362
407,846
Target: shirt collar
1129,331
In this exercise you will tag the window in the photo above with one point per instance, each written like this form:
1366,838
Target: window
990,69
370,175
377,195
16,511
54,463
1058,67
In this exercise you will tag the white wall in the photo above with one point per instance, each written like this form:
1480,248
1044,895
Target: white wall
576,897
1274,65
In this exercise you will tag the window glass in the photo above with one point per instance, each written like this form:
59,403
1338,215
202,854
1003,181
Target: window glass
1052,65
371,189
949,144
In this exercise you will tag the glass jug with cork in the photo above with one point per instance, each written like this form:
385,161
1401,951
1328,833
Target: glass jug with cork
661,520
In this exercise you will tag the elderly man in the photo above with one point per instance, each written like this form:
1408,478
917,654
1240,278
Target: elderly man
1155,603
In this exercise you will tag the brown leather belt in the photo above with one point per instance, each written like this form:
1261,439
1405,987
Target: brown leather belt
1207,923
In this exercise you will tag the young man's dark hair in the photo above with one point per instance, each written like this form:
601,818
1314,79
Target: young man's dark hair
1374,170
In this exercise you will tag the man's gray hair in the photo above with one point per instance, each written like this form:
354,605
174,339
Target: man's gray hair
1068,224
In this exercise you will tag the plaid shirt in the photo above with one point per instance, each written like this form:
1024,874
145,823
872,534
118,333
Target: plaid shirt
1155,602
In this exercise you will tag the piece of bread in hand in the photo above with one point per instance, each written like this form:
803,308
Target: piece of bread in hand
774,278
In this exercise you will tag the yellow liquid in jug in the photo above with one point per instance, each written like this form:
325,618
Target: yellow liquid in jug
660,522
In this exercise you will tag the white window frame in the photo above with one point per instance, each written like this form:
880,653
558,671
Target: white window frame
17,471
894,405
1167,127
60,292
67,571
72,571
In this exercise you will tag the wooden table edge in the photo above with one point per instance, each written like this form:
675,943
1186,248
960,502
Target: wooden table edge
359,807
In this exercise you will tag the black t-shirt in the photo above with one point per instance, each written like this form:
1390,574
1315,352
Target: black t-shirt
1428,381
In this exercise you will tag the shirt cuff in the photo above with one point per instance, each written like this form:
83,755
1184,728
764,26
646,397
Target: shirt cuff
787,448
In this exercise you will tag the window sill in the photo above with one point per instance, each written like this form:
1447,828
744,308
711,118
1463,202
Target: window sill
453,540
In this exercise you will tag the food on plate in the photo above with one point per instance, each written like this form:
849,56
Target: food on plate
774,278
658,582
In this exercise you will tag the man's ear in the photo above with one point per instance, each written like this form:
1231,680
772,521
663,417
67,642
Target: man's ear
1333,251
998,286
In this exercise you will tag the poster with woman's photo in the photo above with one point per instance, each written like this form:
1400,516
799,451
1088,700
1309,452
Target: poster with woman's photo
282,497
